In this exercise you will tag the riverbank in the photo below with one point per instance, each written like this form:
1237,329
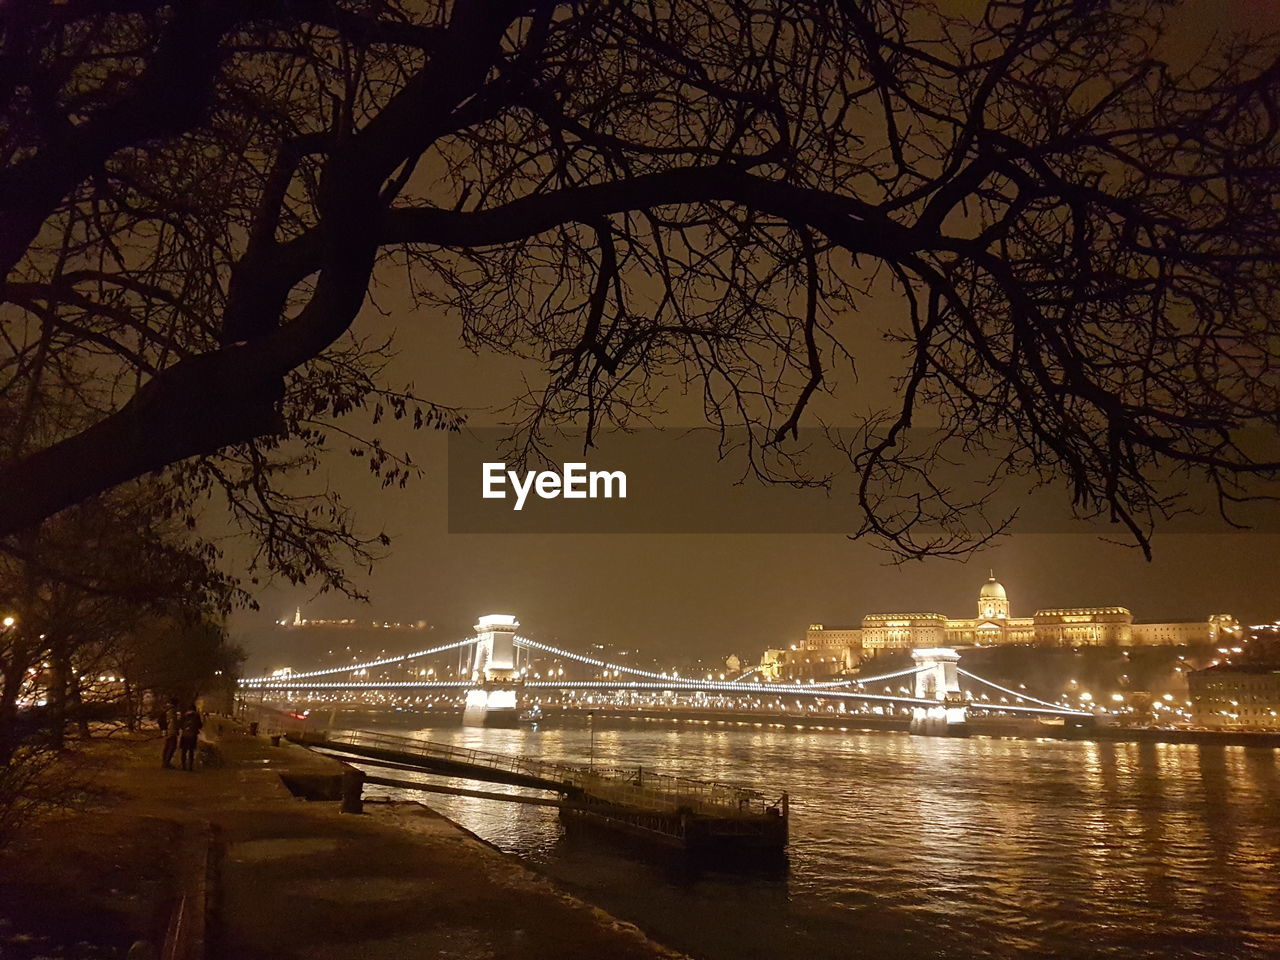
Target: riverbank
978,727
226,862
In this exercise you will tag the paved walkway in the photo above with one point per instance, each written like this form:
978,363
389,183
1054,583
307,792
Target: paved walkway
289,878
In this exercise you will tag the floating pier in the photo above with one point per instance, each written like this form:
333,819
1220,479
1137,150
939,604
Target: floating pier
698,816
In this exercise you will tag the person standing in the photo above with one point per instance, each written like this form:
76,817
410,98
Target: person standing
189,736
169,727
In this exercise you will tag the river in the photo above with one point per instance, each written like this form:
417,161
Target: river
918,847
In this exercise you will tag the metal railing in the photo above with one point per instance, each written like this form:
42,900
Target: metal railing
412,746
622,786
641,788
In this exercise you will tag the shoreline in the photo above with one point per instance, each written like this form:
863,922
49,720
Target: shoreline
389,809
256,873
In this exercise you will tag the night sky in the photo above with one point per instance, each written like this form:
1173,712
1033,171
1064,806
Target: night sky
711,595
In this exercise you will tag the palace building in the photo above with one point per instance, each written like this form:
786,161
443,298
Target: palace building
831,649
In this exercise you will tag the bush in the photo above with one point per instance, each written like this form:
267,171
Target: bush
34,782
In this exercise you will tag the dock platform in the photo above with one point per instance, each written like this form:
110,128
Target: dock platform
698,816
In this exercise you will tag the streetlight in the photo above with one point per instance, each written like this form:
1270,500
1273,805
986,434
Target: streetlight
9,621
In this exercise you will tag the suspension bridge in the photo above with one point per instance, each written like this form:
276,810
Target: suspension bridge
936,701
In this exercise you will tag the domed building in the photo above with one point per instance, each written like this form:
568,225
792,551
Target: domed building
842,647
993,602
993,625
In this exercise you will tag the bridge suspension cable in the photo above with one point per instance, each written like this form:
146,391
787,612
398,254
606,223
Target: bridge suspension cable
285,683
592,661
636,671
1012,693
258,681
864,681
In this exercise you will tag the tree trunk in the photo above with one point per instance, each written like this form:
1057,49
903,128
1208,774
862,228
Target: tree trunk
130,708
77,705
13,674
57,694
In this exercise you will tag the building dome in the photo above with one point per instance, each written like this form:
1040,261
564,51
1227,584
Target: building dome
994,589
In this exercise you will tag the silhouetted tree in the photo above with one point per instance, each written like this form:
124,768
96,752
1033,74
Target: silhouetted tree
181,654
89,591
196,198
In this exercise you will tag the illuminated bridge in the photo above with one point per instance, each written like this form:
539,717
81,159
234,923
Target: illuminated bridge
492,694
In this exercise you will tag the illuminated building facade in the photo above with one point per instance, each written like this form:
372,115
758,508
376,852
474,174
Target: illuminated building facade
1236,696
832,649
1241,692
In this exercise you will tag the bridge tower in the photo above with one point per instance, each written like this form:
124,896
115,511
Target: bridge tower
492,702
939,681
495,657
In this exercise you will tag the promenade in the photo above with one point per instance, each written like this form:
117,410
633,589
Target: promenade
226,862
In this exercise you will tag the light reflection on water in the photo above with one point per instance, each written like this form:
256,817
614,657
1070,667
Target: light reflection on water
930,848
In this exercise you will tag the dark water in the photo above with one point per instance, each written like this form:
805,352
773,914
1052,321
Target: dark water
915,847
